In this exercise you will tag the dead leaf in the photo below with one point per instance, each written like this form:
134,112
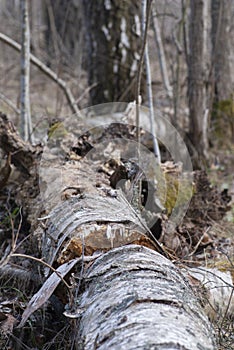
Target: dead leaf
46,290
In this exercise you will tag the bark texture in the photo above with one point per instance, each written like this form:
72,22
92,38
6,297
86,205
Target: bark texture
136,299
222,32
113,42
198,75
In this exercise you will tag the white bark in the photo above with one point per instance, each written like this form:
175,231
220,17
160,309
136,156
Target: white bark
137,299
26,124
132,297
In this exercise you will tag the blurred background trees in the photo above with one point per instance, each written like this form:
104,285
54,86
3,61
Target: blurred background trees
94,47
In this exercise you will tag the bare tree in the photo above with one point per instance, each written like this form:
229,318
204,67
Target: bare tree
198,75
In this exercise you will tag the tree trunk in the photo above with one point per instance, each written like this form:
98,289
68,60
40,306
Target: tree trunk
222,50
113,42
198,75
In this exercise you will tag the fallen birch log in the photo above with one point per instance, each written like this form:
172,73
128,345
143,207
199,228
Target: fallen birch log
127,297
134,298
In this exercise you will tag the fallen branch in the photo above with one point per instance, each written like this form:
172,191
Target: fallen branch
46,70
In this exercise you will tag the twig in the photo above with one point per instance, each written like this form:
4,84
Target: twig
184,11
9,103
138,87
140,66
15,237
42,262
85,92
46,70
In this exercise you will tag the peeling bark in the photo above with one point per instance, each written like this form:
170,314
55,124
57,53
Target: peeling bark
136,299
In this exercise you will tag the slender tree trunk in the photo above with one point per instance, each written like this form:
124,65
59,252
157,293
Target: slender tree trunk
222,50
198,75
37,25
26,124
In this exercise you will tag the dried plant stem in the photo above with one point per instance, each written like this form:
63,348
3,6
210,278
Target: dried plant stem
25,256
140,66
138,87
149,91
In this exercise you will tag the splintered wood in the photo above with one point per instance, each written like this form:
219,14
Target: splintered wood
94,237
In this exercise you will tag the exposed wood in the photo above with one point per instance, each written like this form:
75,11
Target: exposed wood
22,154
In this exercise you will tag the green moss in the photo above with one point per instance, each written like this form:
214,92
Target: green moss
57,130
176,191
223,122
